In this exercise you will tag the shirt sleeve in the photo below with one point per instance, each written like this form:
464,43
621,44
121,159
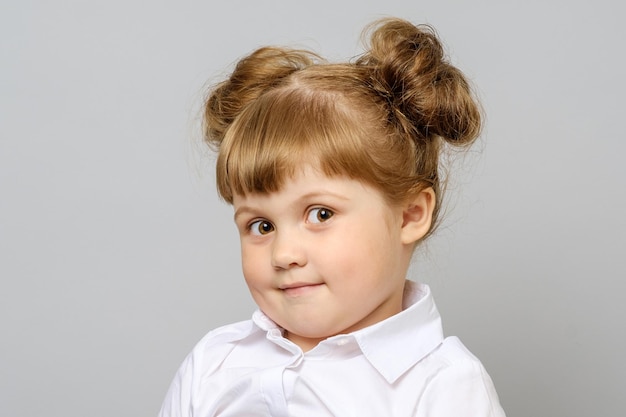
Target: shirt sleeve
461,390
177,402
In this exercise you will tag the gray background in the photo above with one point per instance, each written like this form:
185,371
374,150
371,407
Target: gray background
116,256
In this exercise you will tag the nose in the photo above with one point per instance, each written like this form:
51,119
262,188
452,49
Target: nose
288,250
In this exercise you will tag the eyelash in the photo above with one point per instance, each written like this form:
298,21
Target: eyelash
315,215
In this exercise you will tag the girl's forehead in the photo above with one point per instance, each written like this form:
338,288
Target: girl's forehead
308,181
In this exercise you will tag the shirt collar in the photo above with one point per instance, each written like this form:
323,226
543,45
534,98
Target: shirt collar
394,345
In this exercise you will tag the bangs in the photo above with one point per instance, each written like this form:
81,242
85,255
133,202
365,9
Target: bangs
285,130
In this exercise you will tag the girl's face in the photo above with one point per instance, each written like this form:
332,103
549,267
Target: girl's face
323,255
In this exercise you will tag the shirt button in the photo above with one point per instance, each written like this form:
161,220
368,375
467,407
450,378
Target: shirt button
342,342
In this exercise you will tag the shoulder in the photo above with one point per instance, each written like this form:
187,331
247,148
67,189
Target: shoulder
228,333
453,352
205,358
217,343
459,384
213,349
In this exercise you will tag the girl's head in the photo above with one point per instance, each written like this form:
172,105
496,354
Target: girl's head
381,119
332,170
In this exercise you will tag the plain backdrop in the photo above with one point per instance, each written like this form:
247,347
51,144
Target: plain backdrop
116,256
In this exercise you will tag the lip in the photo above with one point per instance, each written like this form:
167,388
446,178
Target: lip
300,288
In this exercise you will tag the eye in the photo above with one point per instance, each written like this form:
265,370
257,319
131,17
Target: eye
261,227
319,215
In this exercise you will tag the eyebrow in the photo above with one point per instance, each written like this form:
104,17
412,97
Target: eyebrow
242,210
313,194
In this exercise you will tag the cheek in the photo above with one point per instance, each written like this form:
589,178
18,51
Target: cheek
360,249
252,264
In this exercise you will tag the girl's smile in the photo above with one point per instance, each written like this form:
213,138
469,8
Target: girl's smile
299,288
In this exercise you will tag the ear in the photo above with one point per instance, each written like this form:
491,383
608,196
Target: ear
417,216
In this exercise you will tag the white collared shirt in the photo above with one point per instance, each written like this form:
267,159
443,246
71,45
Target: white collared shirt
401,366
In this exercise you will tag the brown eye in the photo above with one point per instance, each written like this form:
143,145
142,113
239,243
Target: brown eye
319,215
261,227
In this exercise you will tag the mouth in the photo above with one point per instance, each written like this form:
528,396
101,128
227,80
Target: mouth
299,288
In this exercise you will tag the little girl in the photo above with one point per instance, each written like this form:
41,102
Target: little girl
332,171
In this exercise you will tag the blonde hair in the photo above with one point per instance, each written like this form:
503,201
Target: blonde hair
380,119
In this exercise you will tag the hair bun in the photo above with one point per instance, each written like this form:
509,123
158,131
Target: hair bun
253,75
427,95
